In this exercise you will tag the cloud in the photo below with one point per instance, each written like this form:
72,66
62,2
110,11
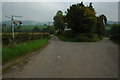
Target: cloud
60,0
110,9
45,11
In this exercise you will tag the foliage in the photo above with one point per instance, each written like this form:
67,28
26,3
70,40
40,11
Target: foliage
68,33
59,21
65,38
36,29
115,33
13,52
21,37
84,37
87,37
84,24
81,19
6,29
24,28
51,29
102,21
18,29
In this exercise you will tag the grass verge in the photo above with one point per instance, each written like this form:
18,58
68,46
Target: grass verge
79,39
14,52
65,38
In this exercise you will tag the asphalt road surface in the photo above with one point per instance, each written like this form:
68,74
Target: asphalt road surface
72,60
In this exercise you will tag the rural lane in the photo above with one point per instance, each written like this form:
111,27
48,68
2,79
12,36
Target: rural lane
72,60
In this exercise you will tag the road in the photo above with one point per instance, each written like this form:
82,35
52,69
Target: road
72,60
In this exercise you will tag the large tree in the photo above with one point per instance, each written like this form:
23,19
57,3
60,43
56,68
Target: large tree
59,21
102,21
81,19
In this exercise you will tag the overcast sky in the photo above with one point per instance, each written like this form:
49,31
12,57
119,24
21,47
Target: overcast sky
44,11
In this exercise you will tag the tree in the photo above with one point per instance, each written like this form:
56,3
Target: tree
102,21
115,33
59,21
51,29
91,5
81,19
81,4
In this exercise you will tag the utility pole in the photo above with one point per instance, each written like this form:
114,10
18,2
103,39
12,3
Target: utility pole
12,27
49,23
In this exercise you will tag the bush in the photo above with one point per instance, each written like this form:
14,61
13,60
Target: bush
21,37
51,29
82,38
6,39
68,33
59,32
87,37
116,37
115,32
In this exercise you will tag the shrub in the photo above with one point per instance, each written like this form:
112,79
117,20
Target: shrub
6,39
65,38
115,32
68,33
59,32
87,37
82,38
21,37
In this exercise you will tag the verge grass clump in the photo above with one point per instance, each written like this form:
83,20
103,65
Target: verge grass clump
13,52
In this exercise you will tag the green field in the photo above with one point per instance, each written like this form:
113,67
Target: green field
31,27
13,52
24,27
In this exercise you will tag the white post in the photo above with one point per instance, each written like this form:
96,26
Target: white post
12,27
13,31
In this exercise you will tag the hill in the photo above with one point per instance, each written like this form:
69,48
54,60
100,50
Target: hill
113,22
29,22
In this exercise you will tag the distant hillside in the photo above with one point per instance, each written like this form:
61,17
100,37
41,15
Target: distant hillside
28,22
113,22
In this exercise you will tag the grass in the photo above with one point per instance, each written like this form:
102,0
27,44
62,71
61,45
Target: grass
66,38
9,67
79,39
13,52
